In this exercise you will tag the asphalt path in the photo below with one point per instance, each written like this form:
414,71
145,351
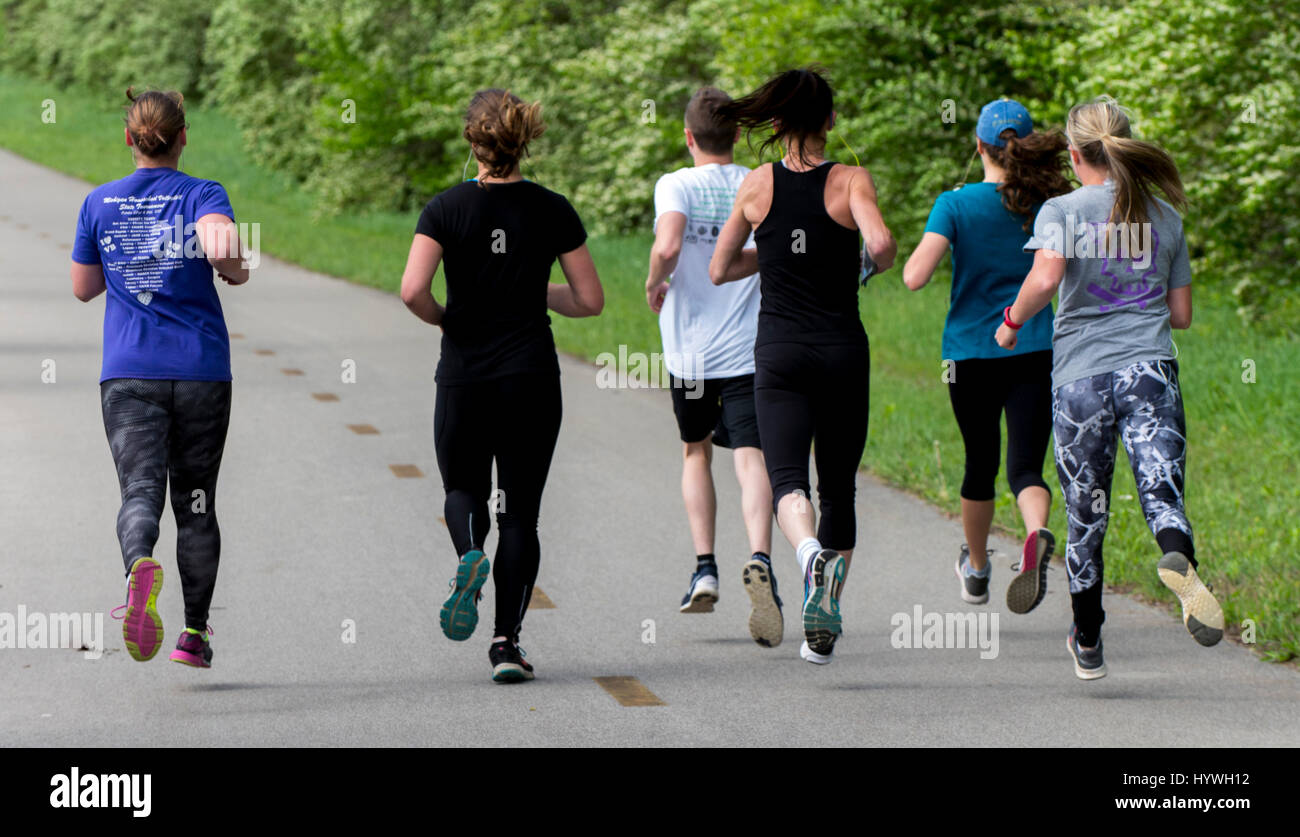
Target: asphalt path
334,567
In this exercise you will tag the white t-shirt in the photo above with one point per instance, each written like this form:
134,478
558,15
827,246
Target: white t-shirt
708,330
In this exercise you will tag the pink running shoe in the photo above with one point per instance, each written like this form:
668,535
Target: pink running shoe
142,627
1028,588
194,649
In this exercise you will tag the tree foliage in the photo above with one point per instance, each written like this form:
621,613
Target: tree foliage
1214,81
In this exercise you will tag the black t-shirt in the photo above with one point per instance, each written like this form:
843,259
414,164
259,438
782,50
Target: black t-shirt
499,242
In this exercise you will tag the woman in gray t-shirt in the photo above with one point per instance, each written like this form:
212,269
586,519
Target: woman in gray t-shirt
1117,254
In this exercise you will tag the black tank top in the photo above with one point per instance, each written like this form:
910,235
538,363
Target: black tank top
808,265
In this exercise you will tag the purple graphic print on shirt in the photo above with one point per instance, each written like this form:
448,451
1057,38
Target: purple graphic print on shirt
1128,286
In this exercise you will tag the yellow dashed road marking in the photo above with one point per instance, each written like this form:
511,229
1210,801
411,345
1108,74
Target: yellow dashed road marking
629,691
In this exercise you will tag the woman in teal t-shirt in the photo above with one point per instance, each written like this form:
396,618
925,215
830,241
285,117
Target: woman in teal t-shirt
986,225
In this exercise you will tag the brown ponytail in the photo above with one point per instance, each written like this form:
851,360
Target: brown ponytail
1100,132
499,125
155,120
1034,170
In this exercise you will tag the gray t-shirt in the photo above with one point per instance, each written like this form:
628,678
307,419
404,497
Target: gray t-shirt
1112,310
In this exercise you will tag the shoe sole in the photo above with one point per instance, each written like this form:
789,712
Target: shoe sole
766,624
185,658
1028,588
966,595
142,628
821,612
813,657
1202,615
1081,672
510,673
459,615
702,601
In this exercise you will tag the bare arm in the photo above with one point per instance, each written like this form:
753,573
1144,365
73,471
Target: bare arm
924,259
583,295
1037,291
881,247
730,261
417,279
87,281
663,257
220,240
1180,307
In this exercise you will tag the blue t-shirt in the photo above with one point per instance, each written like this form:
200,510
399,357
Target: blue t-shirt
162,318
988,268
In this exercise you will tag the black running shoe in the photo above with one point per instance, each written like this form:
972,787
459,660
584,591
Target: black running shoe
1088,663
508,663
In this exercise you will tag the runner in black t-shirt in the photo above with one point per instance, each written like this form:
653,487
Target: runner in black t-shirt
498,393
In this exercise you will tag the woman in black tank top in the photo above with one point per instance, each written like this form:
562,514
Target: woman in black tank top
811,356
808,264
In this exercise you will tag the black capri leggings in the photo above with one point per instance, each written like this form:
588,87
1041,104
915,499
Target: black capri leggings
514,420
815,395
980,390
170,429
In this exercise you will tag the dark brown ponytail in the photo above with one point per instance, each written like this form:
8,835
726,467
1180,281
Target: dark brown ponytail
796,104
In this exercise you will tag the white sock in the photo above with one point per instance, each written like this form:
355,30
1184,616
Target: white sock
806,551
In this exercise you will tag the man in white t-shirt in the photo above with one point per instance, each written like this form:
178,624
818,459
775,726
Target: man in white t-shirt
708,334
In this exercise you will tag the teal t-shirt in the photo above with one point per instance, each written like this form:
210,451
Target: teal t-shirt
988,268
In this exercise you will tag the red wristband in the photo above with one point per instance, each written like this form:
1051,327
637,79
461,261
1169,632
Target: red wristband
1006,319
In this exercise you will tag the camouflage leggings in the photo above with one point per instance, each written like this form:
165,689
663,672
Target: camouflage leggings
1142,405
158,429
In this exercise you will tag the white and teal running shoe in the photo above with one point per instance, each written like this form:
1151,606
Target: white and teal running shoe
821,602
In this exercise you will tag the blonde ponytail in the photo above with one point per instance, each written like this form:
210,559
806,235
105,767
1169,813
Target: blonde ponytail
1100,132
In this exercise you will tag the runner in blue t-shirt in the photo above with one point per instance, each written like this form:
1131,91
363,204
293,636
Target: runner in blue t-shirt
985,224
151,240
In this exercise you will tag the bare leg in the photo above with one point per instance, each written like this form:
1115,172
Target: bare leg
794,514
756,498
976,521
697,491
1035,503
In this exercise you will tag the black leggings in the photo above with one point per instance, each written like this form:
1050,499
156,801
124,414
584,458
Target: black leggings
158,429
815,395
515,421
980,390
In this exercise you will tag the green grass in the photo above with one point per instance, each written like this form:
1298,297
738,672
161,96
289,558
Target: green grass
1243,491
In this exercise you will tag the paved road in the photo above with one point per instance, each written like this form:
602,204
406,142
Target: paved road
318,529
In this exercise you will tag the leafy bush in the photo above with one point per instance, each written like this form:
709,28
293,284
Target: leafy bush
107,45
614,78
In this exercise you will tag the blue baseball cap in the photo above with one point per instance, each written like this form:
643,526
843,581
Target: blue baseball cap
999,115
